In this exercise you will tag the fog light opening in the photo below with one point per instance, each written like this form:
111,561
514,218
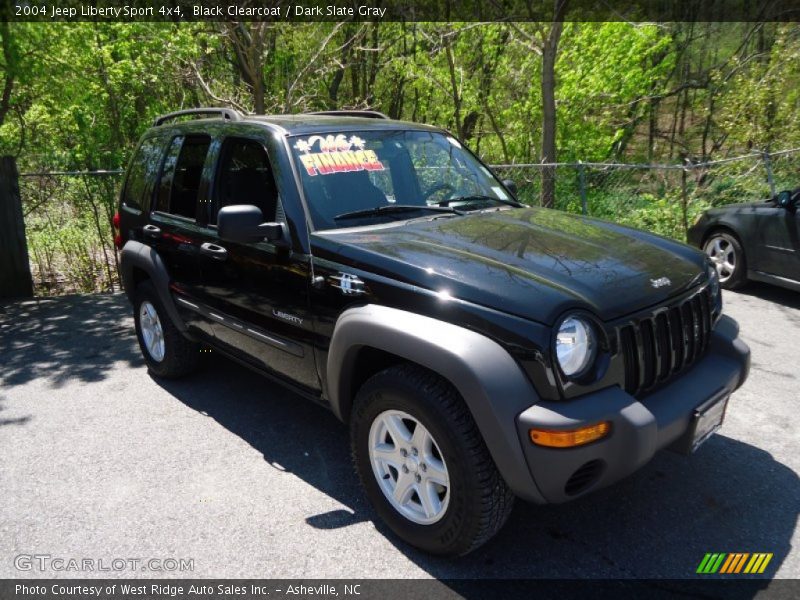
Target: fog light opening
584,478
570,438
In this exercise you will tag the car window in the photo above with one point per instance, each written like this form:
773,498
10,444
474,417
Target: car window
362,171
444,169
167,173
245,177
181,175
143,168
383,181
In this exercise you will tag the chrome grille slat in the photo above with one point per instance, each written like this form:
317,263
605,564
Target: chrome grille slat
656,346
628,345
688,337
649,358
697,336
676,337
705,315
664,346
639,353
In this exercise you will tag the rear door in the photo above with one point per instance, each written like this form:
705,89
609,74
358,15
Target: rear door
174,231
257,292
137,190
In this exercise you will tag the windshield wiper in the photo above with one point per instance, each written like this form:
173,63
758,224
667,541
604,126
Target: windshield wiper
478,198
394,208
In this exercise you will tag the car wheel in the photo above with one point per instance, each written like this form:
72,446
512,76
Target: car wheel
727,254
167,352
424,464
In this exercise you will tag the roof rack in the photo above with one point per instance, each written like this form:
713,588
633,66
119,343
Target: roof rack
225,113
367,114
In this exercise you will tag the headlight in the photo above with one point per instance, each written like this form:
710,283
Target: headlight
575,345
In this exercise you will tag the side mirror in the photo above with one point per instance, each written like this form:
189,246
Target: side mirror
788,200
242,223
510,186
784,199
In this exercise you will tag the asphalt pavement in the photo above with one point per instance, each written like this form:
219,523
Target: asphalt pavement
236,477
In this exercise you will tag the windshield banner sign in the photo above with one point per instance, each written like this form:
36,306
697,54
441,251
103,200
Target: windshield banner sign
337,154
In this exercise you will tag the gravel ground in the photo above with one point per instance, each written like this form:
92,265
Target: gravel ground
98,460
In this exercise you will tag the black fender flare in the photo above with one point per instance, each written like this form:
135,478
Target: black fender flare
138,255
492,384
724,226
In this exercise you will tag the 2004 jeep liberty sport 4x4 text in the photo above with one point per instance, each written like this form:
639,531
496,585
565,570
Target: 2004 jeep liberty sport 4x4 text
480,350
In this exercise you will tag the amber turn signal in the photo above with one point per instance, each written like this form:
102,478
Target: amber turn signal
569,438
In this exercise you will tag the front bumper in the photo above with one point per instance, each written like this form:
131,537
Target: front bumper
694,236
639,427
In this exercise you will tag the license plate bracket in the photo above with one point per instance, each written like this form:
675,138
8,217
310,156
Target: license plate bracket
706,420
703,422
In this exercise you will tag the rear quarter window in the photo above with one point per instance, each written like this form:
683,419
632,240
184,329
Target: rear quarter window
142,173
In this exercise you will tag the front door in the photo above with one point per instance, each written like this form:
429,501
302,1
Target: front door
793,229
780,253
257,292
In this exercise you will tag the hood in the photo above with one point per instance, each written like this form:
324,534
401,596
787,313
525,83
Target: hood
530,262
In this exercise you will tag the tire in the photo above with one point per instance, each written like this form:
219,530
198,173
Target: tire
727,253
476,501
175,355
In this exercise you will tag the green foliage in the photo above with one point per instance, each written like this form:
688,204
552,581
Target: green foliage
68,228
605,70
82,93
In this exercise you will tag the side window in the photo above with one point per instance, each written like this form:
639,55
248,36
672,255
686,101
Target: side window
141,173
167,175
245,177
179,186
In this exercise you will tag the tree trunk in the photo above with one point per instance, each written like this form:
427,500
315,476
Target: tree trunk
10,72
15,270
549,52
258,96
451,64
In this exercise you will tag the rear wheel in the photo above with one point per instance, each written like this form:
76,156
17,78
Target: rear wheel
167,352
727,254
424,464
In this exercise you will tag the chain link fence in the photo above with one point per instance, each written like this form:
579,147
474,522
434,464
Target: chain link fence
70,239
68,227
665,198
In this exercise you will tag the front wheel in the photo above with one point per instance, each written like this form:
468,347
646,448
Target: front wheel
424,464
727,254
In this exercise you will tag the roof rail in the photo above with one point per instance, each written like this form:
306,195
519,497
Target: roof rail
367,114
226,113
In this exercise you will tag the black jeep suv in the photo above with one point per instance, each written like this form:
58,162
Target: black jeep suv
478,349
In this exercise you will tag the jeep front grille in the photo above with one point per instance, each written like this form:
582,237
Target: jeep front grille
671,338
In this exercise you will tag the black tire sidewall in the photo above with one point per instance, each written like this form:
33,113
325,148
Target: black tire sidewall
171,365
451,534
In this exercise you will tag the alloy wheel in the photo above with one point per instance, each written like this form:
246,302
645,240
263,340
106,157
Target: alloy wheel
409,467
723,255
152,332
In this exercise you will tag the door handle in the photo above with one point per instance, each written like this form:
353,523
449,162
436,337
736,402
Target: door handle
214,251
151,231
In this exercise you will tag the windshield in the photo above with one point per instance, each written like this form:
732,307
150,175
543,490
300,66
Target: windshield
348,177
